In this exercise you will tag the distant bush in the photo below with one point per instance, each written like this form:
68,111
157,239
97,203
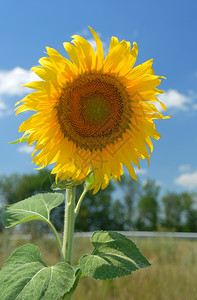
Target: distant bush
128,205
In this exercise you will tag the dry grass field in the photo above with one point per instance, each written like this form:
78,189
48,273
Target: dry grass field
172,276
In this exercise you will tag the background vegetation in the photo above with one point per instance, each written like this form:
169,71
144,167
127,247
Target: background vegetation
172,275
125,206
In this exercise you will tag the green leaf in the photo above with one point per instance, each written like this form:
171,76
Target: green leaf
26,277
114,255
77,277
21,140
37,207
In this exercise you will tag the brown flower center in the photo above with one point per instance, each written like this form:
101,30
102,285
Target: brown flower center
94,110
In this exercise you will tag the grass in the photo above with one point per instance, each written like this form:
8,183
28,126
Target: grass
172,276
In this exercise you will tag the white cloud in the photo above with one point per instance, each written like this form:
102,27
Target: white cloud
184,168
175,100
193,96
10,85
3,108
187,180
11,81
140,171
2,105
26,149
159,183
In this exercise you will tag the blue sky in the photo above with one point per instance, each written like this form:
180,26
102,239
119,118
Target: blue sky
163,30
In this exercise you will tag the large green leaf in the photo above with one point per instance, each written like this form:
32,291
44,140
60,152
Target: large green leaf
77,277
37,207
114,255
26,277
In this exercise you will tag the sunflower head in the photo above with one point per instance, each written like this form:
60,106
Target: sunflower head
93,113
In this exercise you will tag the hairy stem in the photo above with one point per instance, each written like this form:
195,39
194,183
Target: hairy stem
69,221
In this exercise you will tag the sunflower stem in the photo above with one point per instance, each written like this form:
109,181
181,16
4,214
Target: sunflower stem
69,221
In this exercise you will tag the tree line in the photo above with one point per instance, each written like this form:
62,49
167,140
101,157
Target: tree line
128,205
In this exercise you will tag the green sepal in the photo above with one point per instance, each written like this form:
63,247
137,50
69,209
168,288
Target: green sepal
63,185
113,256
26,276
21,140
89,181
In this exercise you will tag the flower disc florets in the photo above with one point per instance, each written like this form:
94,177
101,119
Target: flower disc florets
94,110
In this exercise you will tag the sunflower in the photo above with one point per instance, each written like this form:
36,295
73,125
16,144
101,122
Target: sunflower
93,113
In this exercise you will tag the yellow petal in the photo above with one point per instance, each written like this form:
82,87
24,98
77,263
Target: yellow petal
99,51
85,51
72,52
114,42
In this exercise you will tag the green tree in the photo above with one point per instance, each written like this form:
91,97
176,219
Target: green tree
130,190
17,187
179,212
173,211
1,225
148,207
8,188
190,213
100,211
